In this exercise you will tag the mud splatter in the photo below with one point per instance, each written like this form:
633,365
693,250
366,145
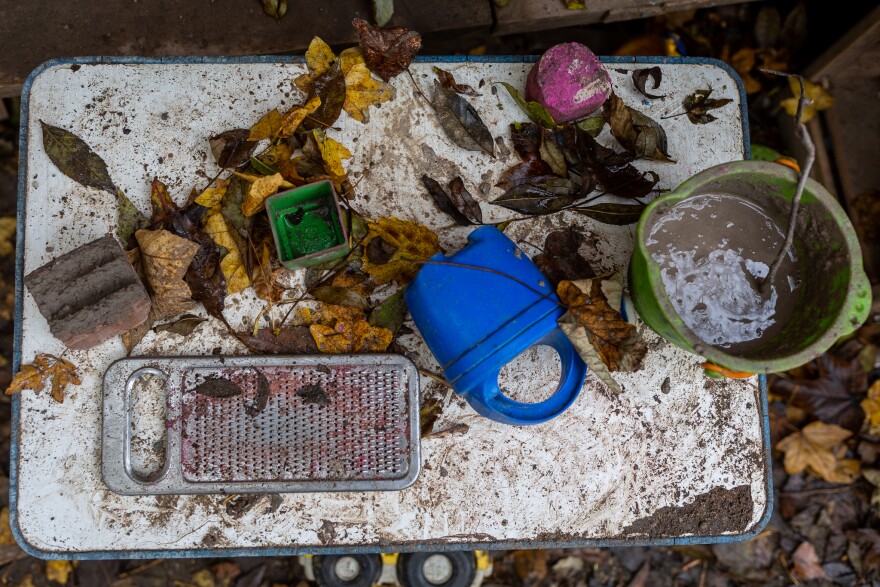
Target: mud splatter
717,511
217,387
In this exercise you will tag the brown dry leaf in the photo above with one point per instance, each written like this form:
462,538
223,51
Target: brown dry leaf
265,279
7,299
530,565
261,188
6,537
603,339
394,248
7,235
361,90
45,369
818,99
165,259
637,133
388,52
819,449
332,153
871,406
232,264
807,565
160,202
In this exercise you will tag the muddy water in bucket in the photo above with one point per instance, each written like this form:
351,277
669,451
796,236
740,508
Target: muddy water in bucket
827,297
714,250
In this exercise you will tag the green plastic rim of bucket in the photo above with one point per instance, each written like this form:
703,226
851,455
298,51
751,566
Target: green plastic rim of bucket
835,292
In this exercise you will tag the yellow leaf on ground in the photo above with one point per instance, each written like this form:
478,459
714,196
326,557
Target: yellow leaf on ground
332,152
330,314
213,195
6,538
394,248
871,406
266,127
7,235
743,61
45,369
819,99
261,188
165,258
818,449
232,263
203,578
319,59
361,89
295,116
58,571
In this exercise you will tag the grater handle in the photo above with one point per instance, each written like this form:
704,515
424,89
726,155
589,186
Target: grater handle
126,449
498,406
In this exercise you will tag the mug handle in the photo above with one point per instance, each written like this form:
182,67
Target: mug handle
492,403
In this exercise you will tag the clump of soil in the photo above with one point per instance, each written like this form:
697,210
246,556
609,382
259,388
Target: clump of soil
710,514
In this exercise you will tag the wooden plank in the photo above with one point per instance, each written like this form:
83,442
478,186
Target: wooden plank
853,53
536,15
38,30
851,69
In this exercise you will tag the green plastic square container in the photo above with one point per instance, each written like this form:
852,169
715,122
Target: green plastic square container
307,226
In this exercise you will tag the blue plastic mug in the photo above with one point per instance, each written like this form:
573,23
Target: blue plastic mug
479,309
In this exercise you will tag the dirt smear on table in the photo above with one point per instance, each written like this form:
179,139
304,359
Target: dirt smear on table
712,513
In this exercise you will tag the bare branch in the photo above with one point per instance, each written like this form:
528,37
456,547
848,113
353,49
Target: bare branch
805,167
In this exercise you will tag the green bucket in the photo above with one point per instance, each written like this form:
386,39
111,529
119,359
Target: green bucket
835,296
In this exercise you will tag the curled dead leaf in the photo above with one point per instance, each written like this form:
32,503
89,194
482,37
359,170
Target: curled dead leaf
387,52
165,259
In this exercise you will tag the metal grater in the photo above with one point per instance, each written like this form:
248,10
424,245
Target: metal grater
268,424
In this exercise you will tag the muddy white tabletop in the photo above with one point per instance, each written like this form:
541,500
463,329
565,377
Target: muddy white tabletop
676,457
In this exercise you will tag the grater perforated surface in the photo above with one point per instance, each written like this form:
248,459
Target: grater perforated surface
308,423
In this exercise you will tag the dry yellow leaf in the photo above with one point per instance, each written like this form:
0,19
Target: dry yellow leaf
743,61
165,259
395,248
232,263
203,578
7,235
819,99
319,59
295,116
871,406
332,152
58,571
819,449
266,127
7,299
350,337
213,195
46,368
330,314
361,89
261,188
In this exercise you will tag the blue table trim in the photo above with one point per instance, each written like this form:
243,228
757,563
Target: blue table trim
430,546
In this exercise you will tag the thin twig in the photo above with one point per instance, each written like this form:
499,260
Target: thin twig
807,141
418,88
435,377
139,569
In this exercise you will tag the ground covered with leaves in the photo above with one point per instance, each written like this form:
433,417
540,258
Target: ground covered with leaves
825,416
